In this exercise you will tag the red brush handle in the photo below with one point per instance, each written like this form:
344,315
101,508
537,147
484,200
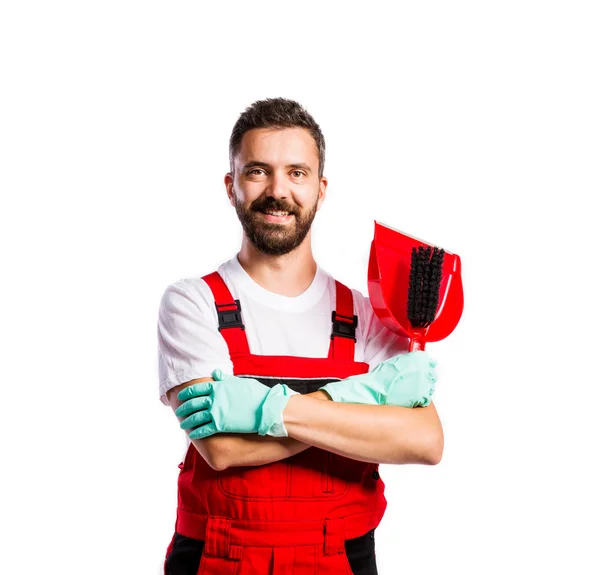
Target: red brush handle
417,340
416,345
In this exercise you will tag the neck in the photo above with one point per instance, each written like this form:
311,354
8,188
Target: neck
289,275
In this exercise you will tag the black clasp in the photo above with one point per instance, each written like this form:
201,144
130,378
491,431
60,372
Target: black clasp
345,327
229,317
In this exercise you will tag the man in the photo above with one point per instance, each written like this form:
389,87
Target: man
267,363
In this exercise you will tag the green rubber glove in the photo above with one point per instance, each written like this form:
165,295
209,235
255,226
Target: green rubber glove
233,405
407,379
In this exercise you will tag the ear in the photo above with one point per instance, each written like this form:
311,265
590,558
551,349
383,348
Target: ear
322,192
228,180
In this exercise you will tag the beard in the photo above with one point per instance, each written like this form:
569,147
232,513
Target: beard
271,238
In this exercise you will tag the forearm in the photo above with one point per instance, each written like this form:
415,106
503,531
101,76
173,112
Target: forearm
243,449
371,433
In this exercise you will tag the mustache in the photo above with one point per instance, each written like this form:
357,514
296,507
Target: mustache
273,205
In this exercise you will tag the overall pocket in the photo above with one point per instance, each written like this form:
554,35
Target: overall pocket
257,482
317,474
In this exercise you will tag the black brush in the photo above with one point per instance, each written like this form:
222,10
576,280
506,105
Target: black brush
424,285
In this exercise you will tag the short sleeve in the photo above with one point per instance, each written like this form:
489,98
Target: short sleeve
380,343
189,343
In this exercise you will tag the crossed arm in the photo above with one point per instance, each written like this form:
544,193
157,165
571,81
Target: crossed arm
371,433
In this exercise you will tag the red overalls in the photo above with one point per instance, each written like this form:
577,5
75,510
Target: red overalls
291,516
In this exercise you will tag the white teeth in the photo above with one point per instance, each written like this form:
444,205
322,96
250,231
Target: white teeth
277,213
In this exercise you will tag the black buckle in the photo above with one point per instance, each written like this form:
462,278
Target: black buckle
344,328
229,317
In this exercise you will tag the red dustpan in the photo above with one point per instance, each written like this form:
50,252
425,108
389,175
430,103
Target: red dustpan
388,280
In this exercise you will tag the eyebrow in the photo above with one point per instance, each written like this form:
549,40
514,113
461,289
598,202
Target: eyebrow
257,164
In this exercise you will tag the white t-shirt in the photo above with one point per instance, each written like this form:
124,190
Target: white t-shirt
190,345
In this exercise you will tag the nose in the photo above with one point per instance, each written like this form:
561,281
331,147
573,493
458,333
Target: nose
277,186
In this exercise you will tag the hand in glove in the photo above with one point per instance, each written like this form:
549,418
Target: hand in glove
233,405
407,379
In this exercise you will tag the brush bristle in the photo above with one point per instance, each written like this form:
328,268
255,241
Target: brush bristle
424,285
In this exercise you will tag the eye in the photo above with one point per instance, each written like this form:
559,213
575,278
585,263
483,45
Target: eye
255,170
297,173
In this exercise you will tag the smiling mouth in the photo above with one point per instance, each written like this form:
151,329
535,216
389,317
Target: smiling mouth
276,215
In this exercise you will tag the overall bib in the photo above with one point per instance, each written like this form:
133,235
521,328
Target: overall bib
313,513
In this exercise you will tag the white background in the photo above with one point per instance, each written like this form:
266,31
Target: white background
472,125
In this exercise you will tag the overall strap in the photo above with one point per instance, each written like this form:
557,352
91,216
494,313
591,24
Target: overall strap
229,314
343,332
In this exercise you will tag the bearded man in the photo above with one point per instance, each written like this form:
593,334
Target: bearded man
289,388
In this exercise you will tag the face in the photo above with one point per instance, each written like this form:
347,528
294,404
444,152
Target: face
276,189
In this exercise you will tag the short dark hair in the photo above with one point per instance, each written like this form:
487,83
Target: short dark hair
276,113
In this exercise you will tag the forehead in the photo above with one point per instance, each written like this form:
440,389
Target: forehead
278,146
